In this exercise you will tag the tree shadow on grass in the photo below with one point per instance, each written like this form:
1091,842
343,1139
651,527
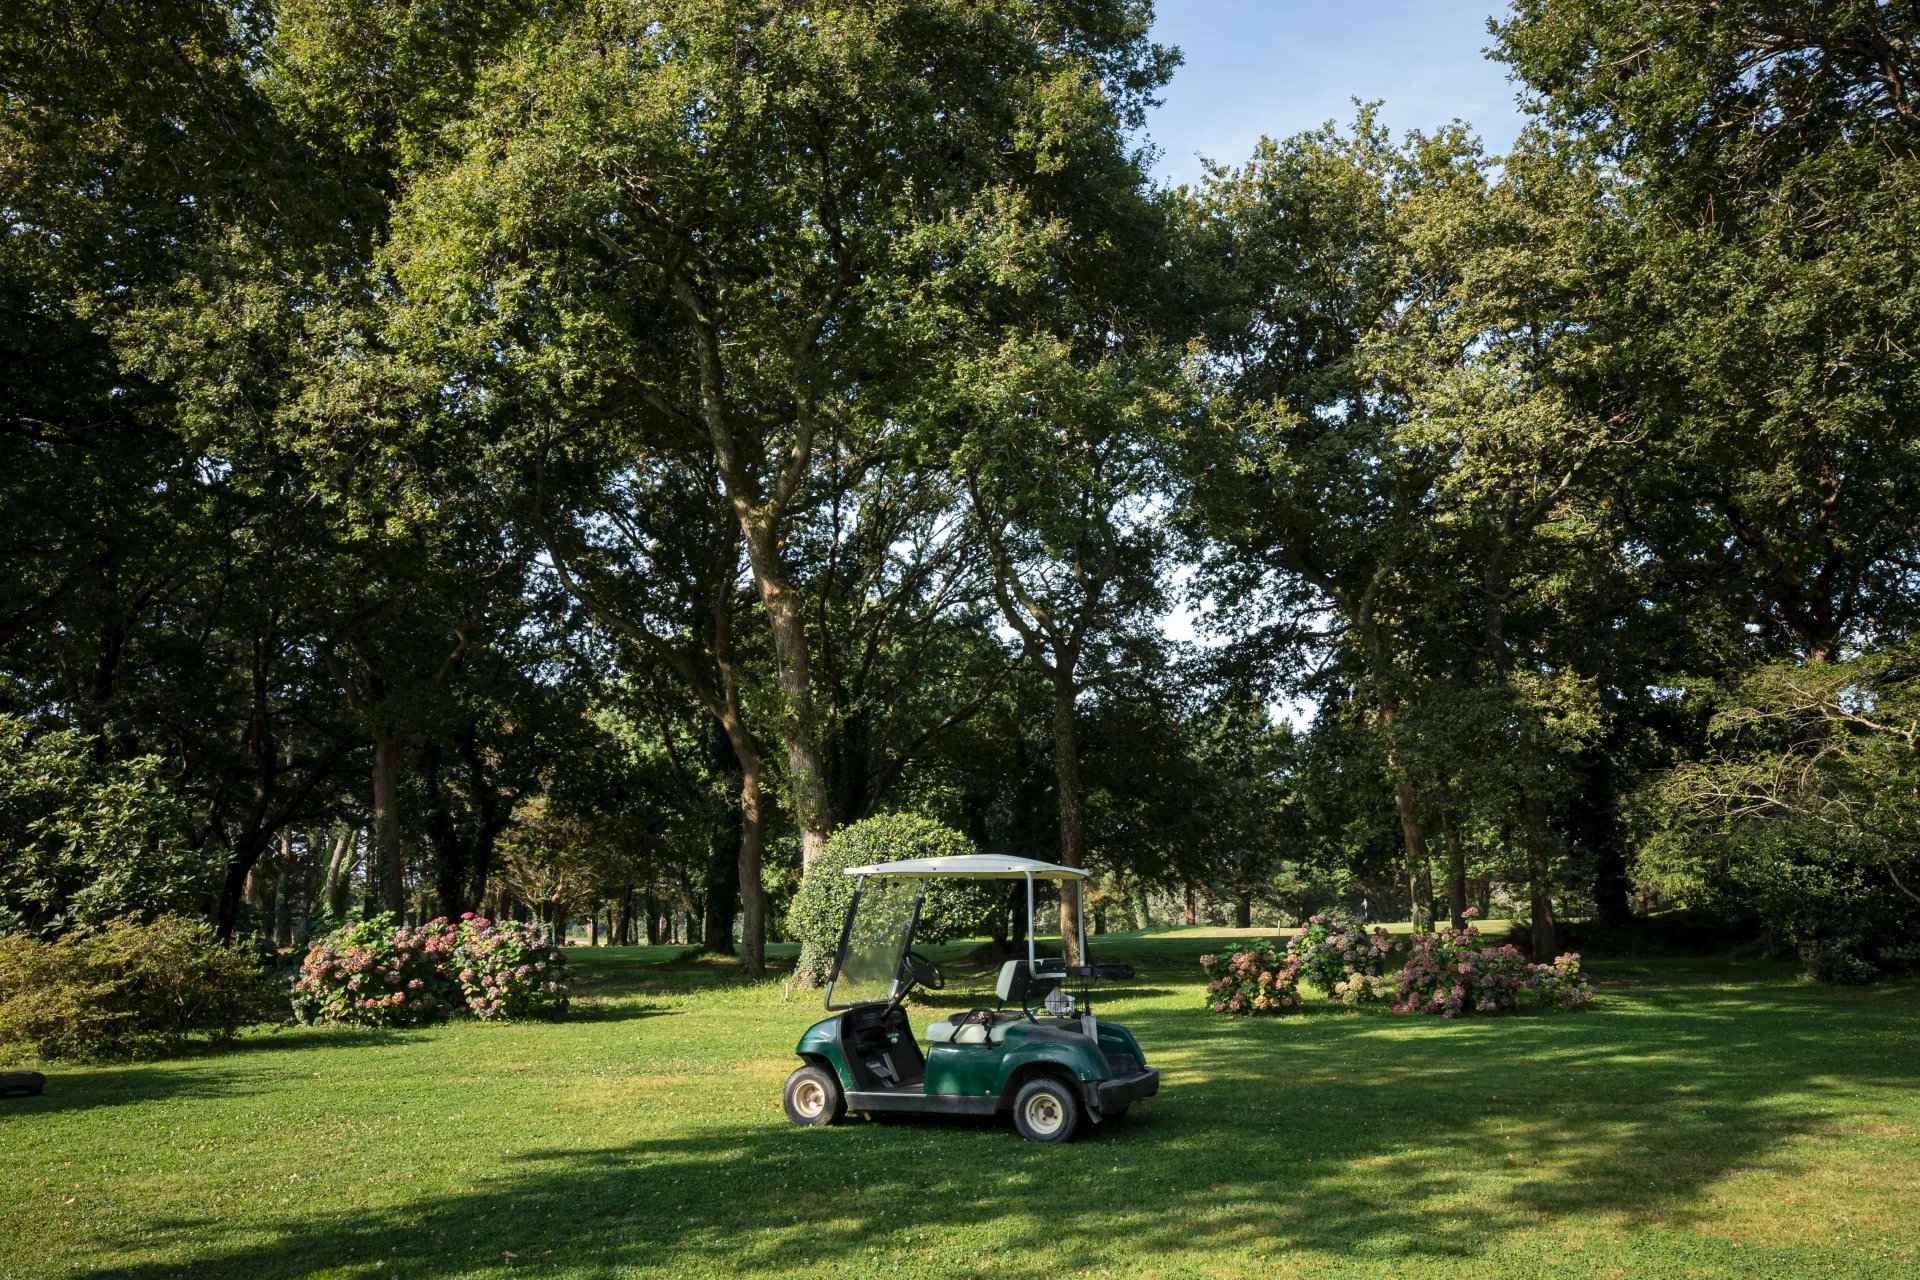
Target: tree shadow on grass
191,1073
618,974
602,1008
1366,1135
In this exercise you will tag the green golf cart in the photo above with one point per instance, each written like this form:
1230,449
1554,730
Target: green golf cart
1038,1053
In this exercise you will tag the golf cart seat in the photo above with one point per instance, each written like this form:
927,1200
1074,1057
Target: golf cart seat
948,1031
1014,984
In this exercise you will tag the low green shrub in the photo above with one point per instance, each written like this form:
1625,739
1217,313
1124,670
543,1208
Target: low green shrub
127,990
377,974
952,908
1260,979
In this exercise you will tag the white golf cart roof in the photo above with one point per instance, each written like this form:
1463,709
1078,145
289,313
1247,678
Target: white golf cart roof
971,866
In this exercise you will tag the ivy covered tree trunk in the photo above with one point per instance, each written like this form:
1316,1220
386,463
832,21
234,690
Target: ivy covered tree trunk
799,725
339,885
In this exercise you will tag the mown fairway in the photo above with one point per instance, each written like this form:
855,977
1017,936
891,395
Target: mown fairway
1702,1120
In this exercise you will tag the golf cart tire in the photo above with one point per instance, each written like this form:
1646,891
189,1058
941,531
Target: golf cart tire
1045,1110
813,1096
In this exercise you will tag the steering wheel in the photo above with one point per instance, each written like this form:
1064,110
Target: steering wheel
924,972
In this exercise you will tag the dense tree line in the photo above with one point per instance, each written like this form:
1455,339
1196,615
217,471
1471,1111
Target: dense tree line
569,459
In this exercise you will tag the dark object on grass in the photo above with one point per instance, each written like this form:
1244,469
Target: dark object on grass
21,1084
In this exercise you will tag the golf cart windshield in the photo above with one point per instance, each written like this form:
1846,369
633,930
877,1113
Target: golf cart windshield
874,937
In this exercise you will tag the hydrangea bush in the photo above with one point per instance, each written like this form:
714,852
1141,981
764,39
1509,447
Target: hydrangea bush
1262,978
375,975
1366,988
378,975
1334,948
506,970
1451,974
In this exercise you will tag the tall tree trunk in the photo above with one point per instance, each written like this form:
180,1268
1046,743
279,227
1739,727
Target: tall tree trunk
1243,911
1545,933
747,879
799,723
340,872
284,889
723,885
1066,769
387,859
1456,869
241,860
1595,823
1188,913
1419,866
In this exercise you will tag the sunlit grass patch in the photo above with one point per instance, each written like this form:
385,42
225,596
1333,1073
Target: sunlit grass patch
1710,1120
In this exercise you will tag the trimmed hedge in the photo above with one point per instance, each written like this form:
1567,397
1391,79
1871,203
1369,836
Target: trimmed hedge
952,908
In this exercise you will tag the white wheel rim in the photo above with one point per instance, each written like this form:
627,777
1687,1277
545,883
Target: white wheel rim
809,1098
1045,1114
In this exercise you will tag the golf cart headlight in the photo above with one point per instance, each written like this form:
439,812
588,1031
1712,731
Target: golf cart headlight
1059,1003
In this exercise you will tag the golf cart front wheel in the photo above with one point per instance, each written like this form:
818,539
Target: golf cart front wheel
1046,1111
813,1097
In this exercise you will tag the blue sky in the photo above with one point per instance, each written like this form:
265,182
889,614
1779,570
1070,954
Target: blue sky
1279,66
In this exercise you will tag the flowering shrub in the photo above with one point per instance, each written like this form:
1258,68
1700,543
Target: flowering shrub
1450,973
1261,979
1366,988
507,970
377,975
1334,947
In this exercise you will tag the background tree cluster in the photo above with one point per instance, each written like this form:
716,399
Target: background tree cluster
571,459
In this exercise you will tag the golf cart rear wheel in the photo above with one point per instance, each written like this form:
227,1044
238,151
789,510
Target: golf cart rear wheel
813,1097
1045,1111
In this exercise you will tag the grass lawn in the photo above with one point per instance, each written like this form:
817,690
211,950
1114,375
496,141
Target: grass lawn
1701,1120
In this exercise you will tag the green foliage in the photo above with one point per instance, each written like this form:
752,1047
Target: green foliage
127,990
1261,979
87,841
951,909
1801,813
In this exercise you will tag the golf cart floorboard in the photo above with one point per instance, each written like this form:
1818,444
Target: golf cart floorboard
911,1098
